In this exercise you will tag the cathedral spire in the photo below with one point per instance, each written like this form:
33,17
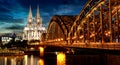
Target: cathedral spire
30,15
38,15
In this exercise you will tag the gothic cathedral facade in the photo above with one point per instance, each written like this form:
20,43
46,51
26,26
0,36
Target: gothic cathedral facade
34,29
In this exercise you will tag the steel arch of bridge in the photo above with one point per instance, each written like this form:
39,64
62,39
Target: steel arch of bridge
58,28
97,26
100,16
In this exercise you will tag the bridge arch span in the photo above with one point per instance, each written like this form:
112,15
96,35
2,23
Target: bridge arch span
97,24
59,27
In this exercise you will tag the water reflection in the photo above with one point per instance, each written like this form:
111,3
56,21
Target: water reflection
41,51
5,60
41,62
31,60
61,58
25,59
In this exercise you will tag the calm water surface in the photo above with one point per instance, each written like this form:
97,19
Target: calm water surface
60,59
52,59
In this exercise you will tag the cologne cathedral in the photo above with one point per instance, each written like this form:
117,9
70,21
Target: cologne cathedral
34,29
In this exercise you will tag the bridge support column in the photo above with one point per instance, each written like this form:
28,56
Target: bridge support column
101,22
117,16
110,21
88,27
94,27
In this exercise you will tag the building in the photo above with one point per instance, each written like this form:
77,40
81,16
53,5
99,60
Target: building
34,29
6,38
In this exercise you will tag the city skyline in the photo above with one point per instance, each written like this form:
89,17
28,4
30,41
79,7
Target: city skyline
14,13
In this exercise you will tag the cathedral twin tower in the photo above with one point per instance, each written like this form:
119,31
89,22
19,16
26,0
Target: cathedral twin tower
34,28
37,20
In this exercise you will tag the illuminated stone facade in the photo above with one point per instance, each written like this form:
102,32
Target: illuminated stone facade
34,28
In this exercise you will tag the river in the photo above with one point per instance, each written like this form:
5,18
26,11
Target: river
60,58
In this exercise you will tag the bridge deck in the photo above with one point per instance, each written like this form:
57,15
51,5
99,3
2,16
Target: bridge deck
109,46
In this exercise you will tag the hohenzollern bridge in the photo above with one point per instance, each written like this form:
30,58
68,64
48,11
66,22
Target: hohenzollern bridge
96,26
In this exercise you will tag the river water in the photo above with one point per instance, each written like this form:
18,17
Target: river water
61,59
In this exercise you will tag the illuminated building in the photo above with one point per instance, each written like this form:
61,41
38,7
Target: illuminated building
34,28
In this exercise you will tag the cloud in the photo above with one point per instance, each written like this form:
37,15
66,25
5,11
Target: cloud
17,27
13,13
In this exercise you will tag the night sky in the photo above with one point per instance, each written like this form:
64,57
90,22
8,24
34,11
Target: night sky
13,13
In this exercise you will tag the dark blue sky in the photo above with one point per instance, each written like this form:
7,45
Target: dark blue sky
13,13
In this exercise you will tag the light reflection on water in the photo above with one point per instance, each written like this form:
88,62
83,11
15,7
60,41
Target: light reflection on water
20,60
61,59
41,62
31,60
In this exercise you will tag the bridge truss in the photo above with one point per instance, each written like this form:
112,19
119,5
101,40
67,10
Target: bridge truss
96,26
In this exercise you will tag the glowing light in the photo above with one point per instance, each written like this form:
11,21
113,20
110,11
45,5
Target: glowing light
68,38
81,36
58,39
92,35
61,58
26,59
31,60
95,8
56,53
88,15
62,39
32,48
30,20
5,60
41,62
41,51
109,32
38,20
106,34
74,38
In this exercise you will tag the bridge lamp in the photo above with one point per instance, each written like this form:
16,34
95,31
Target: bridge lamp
106,34
55,39
62,39
81,36
92,35
58,39
109,32
74,38
68,38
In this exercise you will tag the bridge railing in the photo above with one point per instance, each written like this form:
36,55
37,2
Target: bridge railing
97,45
